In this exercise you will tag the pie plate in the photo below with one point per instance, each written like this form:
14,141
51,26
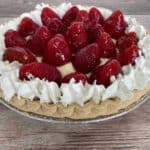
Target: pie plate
122,112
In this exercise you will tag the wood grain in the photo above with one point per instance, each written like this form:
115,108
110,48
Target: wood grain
130,132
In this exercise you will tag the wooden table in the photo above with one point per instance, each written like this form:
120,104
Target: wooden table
130,132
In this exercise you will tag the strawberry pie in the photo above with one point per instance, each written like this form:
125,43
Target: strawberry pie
73,62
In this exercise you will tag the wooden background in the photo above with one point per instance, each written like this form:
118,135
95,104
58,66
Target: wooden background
131,132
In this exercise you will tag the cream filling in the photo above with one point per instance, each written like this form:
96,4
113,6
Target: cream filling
135,77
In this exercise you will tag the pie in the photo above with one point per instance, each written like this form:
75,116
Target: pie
74,62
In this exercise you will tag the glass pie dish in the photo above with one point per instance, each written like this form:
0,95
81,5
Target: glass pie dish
98,119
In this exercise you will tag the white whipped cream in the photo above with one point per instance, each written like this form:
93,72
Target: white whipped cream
135,77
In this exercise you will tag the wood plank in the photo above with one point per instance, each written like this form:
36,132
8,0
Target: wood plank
129,132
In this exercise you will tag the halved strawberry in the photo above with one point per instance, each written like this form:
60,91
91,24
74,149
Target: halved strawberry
128,55
78,77
38,42
127,40
47,14
103,73
27,27
77,36
19,54
12,39
40,70
57,52
70,15
106,45
87,58
115,25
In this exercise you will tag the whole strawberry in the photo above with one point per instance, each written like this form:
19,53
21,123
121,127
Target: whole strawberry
70,15
82,16
78,77
95,32
87,58
95,16
19,54
77,36
115,25
103,73
106,45
57,52
27,27
38,42
40,70
128,55
56,26
13,38
48,14
127,40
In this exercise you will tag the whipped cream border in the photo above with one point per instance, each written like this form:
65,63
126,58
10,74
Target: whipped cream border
135,77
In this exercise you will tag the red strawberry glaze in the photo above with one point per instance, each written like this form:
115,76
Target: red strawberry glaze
87,58
57,52
103,73
47,14
77,36
78,77
115,25
40,70
106,45
13,38
38,42
27,27
70,15
19,54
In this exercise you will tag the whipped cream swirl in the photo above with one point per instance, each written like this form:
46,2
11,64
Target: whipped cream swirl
134,77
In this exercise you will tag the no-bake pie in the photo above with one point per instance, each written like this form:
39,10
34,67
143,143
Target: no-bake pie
75,62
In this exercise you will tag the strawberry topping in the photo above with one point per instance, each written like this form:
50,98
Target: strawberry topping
57,52
70,15
106,45
19,54
78,77
47,14
115,24
87,58
40,70
103,73
95,32
95,16
128,55
38,42
27,27
56,26
77,36
82,16
127,40
12,39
